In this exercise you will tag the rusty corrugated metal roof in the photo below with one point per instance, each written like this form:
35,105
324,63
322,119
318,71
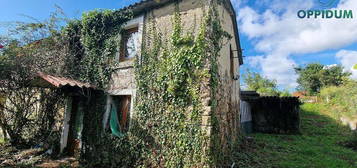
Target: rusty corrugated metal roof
44,80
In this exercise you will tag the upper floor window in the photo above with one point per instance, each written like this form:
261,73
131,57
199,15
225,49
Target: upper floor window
130,44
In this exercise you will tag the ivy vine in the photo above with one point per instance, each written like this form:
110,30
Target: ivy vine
92,43
167,129
169,82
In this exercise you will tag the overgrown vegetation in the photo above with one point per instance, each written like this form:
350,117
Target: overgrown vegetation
83,50
341,99
166,130
337,94
92,43
29,115
321,144
341,102
171,75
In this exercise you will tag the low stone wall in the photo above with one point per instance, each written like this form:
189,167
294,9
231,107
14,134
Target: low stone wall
276,115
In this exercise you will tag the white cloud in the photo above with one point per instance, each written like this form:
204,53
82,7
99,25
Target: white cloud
255,61
274,66
279,33
237,3
348,59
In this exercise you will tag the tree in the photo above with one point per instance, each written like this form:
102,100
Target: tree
29,114
262,85
333,76
355,67
315,76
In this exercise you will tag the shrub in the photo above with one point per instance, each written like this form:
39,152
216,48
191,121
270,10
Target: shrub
342,99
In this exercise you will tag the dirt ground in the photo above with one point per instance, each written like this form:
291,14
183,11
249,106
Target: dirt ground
35,157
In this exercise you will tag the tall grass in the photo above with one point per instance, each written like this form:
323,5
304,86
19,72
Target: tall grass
322,143
341,100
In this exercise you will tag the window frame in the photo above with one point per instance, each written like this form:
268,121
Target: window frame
110,95
125,35
135,22
119,101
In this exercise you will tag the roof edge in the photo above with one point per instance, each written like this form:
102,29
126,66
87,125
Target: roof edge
50,81
147,5
228,4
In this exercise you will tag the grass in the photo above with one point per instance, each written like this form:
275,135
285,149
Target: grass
318,146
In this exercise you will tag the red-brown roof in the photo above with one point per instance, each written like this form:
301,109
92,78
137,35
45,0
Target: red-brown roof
44,80
300,94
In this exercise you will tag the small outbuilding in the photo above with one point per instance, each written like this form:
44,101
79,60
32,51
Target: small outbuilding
76,101
269,114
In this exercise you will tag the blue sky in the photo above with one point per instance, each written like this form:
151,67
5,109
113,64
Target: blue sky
14,10
274,39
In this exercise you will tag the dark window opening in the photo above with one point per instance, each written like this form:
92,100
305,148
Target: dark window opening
120,115
75,126
130,44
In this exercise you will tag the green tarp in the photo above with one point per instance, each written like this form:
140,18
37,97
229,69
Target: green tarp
114,123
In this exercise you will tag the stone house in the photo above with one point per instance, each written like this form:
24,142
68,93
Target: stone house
121,92
122,86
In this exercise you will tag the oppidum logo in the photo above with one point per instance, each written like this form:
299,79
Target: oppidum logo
326,13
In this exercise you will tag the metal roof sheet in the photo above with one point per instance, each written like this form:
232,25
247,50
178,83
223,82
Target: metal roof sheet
44,80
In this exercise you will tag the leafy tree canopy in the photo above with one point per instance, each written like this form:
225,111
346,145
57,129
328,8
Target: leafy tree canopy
315,76
262,85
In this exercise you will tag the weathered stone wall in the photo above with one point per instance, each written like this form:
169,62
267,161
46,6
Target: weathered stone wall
123,78
227,111
191,13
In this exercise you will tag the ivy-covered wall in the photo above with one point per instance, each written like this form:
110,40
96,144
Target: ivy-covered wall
186,105
172,85
227,113
172,79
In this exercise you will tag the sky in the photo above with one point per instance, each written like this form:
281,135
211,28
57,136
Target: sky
274,39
